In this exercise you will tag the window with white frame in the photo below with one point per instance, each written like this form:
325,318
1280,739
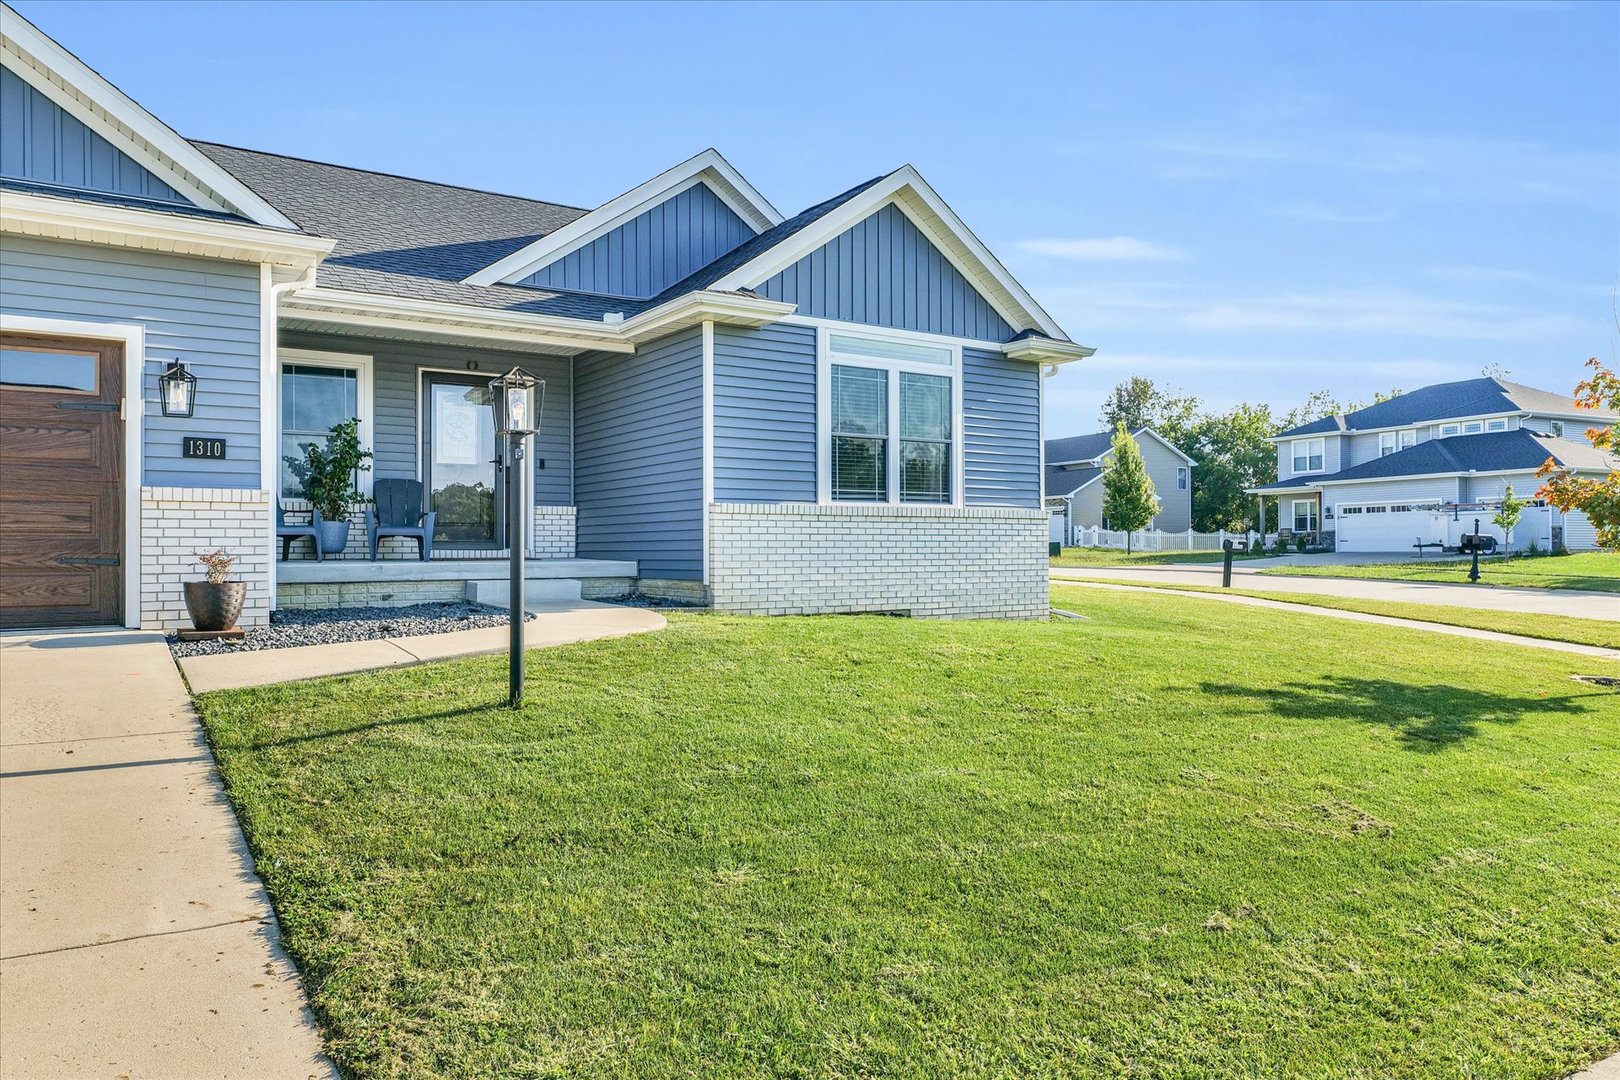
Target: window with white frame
1388,443
1181,478
1448,430
891,419
1304,515
1473,427
1307,454
319,390
1555,428
1408,438
1496,425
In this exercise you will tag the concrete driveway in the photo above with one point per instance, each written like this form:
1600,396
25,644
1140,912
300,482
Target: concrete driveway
135,939
1579,605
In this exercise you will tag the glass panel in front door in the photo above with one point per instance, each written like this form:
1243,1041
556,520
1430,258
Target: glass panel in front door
464,479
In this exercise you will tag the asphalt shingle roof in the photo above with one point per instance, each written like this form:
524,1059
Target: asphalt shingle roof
1079,447
1068,481
1493,452
1444,401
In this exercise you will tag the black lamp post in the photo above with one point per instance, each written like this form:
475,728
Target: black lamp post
515,398
1473,571
177,390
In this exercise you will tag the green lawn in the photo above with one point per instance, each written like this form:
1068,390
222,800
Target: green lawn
1182,838
1598,571
1605,635
1092,556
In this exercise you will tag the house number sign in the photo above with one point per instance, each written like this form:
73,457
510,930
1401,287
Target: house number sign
203,448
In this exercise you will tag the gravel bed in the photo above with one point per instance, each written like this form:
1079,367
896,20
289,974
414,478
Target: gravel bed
637,600
299,626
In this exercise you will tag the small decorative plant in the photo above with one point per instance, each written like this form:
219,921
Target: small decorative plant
219,563
327,473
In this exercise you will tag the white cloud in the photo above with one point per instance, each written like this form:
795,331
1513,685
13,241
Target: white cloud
1103,249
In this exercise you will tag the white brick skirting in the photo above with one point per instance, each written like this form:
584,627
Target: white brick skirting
553,538
927,561
177,523
553,533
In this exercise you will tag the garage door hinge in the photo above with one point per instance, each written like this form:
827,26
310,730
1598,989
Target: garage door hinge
88,560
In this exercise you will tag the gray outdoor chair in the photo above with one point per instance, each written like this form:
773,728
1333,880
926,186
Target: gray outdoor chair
287,533
399,513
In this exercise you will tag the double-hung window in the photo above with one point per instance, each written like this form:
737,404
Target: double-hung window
1307,455
891,416
319,390
1408,438
1181,478
1304,515
1387,443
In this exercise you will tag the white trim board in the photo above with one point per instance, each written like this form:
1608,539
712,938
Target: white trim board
132,336
108,111
706,168
361,364
906,188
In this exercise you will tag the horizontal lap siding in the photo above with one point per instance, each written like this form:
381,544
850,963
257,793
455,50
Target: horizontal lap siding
1001,423
1426,490
40,142
650,252
204,312
638,469
1175,504
765,414
396,383
884,272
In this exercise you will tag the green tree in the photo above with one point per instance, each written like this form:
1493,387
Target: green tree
1599,499
1506,517
1233,454
1138,403
1128,499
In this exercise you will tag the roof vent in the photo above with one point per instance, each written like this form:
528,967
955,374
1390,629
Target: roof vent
613,317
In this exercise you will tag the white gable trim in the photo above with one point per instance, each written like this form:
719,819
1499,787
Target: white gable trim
906,188
113,115
706,168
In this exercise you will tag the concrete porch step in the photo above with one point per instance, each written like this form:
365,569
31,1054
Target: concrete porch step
497,593
336,571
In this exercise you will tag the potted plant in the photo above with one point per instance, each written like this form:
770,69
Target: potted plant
327,475
215,604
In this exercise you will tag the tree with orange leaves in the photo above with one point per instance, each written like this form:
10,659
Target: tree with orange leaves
1598,499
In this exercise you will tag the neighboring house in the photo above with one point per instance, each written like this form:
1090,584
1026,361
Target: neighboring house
834,411
1422,466
1074,486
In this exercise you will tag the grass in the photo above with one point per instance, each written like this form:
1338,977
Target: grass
1605,635
1593,571
1093,556
1182,838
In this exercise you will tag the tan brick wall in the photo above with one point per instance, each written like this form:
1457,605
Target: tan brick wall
367,593
176,524
931,562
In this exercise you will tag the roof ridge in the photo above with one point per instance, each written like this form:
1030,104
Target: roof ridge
390,175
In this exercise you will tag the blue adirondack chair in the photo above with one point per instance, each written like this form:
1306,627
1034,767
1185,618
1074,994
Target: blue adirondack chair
288,532
399,513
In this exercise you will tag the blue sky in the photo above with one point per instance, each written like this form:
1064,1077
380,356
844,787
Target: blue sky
1248,202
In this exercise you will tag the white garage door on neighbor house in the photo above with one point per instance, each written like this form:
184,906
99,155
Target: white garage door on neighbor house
1387,526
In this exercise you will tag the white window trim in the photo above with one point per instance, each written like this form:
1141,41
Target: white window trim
358,362
419,373
1183,478
1293,508
1307,444
132,336
825,359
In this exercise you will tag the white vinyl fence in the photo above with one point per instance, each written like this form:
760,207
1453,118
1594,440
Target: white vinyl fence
1154,539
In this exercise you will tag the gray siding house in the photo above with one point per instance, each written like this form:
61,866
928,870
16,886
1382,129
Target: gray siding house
1074,486
1424,465
758,412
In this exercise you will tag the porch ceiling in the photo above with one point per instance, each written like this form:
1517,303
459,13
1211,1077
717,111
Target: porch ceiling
428,337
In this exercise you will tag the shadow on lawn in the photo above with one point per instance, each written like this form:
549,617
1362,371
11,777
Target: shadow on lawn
1427,718
374,725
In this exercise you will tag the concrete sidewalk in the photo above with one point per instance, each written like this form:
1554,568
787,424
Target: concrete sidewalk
1576,605
135,939
560,623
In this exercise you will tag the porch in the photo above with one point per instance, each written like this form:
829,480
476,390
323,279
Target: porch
397,582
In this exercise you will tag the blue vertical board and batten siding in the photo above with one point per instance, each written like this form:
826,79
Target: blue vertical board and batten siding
1001,430
42,143
765,414
884,272
396,380
202,311
652,251
638,456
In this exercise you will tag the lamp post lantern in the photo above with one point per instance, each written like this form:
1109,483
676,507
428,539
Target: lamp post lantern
177,390
1473,571
515,398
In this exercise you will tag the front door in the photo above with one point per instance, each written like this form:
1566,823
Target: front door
463,474
61,482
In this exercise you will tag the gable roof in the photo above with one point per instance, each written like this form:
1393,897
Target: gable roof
104,109
1522,450
1100,444
707,168
1447,401
1064,482
906,188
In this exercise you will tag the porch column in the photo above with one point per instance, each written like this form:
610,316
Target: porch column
1260,527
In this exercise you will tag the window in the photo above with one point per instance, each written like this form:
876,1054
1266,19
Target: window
317,391
1345,510
1555,428
1307,455
1473,427
1408,438
1181,478
1448,430
1304,515
49,369
891,419
1376,509
1398,508
1387,443
860,430
1496,425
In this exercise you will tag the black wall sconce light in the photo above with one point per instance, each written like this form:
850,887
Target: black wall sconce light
177,390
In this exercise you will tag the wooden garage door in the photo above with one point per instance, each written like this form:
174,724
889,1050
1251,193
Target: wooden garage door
61,482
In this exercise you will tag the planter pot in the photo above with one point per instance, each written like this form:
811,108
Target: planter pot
334,536
215,607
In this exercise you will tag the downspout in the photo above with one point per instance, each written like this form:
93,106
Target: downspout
270,393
